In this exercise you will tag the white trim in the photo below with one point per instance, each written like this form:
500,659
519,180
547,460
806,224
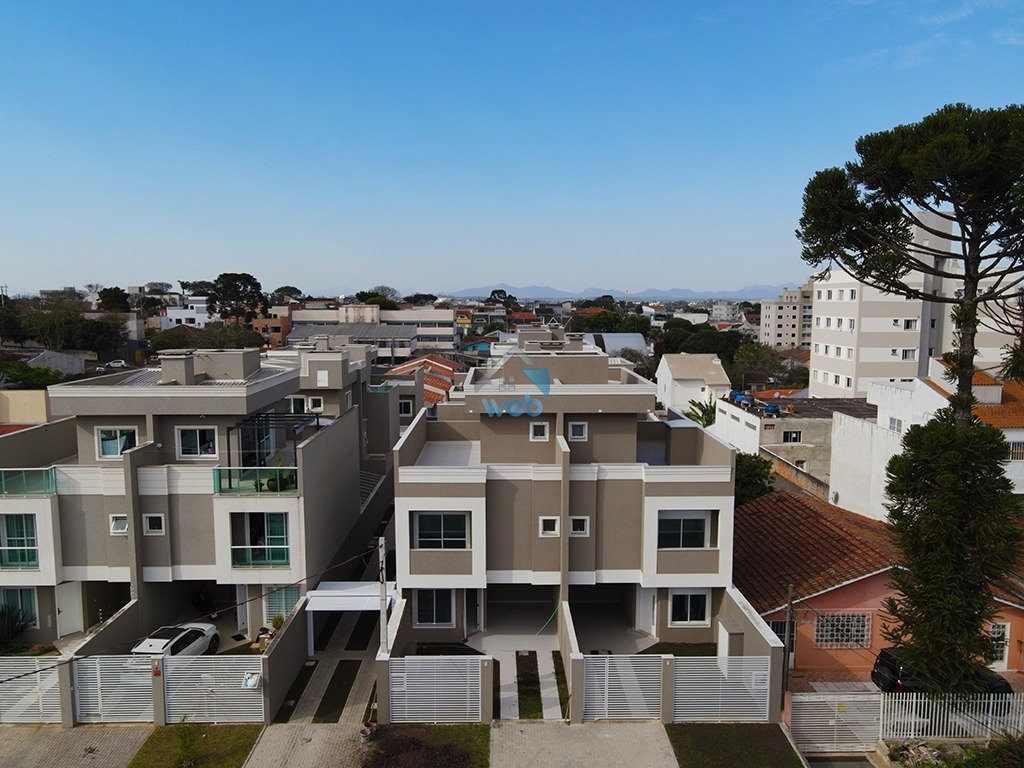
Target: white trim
100,456
829,589
535,472
687,514
418,513
312,401
97,573
535,438
519,577
477,509
118,517
548,534
585,533
406,401
443,475
581,438
178,429
157,573
706,622
147,516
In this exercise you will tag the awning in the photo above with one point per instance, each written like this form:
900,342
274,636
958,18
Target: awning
348,596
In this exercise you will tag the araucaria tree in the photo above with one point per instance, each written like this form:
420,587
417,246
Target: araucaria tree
953,514
959,167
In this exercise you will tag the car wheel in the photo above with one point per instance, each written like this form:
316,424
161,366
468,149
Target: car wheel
214,645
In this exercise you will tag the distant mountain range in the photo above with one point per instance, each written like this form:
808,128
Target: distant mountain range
751,292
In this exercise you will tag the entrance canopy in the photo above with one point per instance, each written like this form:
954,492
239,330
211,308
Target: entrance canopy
349,596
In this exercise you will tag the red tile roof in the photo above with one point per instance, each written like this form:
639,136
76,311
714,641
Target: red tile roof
6,429
785,538
1008,414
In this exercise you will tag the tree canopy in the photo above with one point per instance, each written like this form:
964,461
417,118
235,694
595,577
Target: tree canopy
958,176
113,299
417,299
754,477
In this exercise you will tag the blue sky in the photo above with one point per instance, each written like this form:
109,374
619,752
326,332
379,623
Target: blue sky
442,145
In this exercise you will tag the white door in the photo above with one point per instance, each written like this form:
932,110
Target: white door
1000,634
242,601
70,617
646,610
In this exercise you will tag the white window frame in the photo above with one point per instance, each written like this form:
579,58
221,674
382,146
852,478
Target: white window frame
292,399
686,514
348,400
910,324
200,455
835,629
1016,451
405,406
315,404
583,436
788,433
909,354
416,529
115,528
534,437
553,530
100,456
20,604
705,622
416,609
853,294
147,531
585,532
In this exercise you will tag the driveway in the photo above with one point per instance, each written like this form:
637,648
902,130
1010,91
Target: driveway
534,743
50,746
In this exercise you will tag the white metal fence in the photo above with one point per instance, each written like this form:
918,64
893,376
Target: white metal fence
213,689
622,687
856,721
721,689
113,689
30,691
439,689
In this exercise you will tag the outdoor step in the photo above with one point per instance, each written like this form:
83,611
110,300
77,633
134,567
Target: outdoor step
548,685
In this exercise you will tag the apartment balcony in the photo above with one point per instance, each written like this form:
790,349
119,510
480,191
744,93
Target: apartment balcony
28,482
260,481
19,558
260,557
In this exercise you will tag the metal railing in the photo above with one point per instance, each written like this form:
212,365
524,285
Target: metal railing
19,558
260,557
28,482
256,480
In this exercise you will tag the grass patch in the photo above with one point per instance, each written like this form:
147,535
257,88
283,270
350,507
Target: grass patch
725,745
291,699
563,686
27,648
333,702
362,632
323,637
453,746
528,684
370,713
683,649
218,746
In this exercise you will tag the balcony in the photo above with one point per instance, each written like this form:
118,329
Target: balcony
256,480
19,558
28,482
260,557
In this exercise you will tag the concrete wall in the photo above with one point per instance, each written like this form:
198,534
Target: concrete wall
38,446
135,621
757,640
798,477
283,660
24,406
860,451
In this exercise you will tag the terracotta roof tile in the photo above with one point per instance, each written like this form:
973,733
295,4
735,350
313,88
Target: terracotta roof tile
6,429
1008,414
784,538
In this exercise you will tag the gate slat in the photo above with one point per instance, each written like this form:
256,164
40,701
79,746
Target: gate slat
31,692
436,689
209,689
721,689
113,689
622,687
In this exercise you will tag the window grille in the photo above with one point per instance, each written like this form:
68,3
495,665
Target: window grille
842,630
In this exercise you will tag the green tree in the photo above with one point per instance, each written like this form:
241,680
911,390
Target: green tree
284,292
387,292
417,299
19,375
702,413
226,336
633,323
175,338
955,520
237,297
158,287
55,324
197,287
11,327
382,301
506,299
754,477
598,322
754,357
643,365
957,175
113,300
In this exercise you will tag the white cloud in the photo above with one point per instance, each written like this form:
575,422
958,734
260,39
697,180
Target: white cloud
964,10
1008,37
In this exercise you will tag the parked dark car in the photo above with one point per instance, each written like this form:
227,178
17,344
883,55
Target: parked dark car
892,673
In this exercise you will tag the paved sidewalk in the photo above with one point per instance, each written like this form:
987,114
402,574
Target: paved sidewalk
50,746
537,743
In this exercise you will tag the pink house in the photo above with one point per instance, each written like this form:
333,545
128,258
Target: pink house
838,565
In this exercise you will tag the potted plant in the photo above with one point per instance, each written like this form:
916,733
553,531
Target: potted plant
276,622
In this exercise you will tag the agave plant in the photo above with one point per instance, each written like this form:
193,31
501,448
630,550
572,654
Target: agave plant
13,621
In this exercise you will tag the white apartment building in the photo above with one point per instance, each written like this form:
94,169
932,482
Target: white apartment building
786,322
861,335
193,312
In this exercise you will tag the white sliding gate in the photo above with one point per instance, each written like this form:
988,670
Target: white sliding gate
30,692
721,689
209,689
113,689
436,689
622,687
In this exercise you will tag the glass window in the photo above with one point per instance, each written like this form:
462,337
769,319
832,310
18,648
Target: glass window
119,525
792,436
23,598
689,608
197,441
910,354
405,407
842,630
538,431
579,526
295,404
279,600
441,530
549,526
577,431
434,607
682,530
114,441
19,547
153,525
853,294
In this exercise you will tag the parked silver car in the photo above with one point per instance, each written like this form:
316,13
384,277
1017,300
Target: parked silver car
185,640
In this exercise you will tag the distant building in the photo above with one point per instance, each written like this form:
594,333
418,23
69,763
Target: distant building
787,321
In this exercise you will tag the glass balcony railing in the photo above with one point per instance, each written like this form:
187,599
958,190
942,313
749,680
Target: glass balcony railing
251,480
260,557
18,558
28,482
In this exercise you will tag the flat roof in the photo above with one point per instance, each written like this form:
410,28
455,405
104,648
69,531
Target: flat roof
814,408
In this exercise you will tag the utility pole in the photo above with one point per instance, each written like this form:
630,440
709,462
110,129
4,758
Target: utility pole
789,639
382,550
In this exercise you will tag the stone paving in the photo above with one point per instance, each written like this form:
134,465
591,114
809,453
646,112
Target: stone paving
539,743
50,746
